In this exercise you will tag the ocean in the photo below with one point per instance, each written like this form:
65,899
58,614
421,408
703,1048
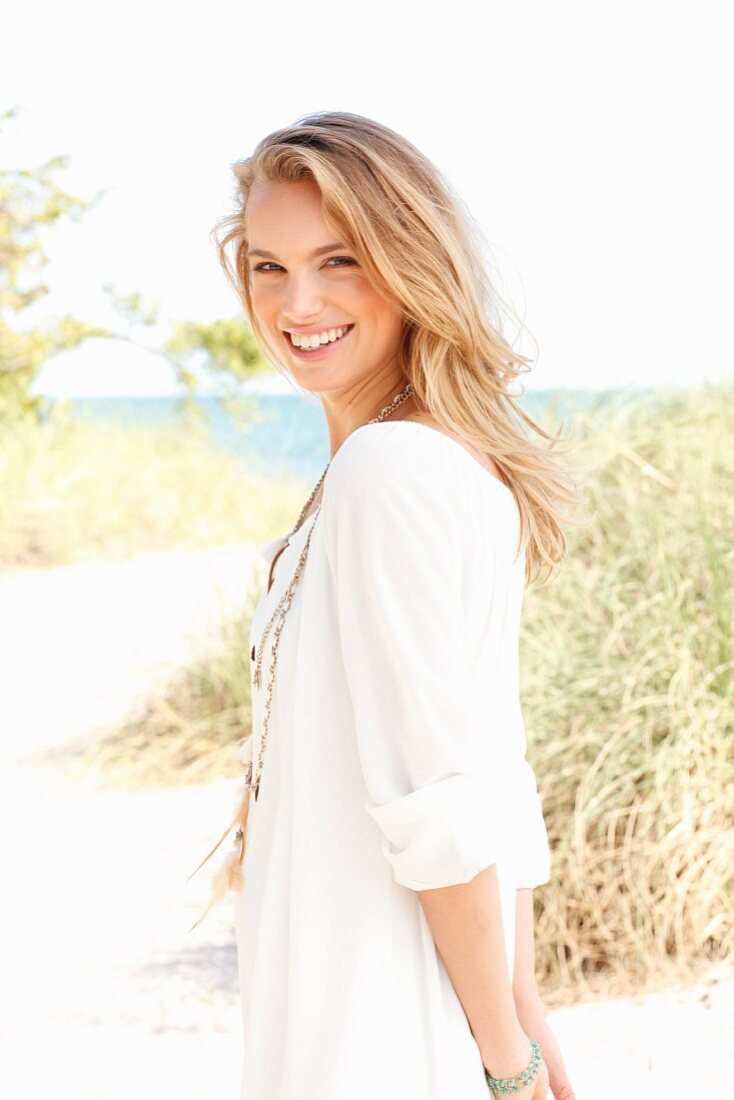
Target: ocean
286,433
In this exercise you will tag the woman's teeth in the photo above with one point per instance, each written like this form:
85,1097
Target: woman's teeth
328,336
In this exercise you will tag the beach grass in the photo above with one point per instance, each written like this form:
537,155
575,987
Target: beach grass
74,491
628,695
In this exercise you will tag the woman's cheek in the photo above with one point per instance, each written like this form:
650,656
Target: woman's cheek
264,299
353,288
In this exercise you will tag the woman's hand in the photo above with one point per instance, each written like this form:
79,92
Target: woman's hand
532,1017
541,1085
539,1088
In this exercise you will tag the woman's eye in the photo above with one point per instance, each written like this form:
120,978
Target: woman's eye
339,261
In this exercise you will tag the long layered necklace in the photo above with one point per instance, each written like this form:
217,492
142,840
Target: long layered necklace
277,619
229,876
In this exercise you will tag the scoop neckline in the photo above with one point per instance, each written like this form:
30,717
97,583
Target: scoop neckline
449,439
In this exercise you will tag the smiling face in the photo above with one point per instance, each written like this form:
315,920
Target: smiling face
324,320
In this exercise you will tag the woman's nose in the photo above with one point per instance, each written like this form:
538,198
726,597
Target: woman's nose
303,301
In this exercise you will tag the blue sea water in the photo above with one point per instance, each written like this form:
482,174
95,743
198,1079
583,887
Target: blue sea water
285,433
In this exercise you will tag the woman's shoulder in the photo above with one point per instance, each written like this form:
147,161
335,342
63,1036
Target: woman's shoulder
409,453
391,447
404,481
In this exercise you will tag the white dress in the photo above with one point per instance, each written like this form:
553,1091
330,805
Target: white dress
395,762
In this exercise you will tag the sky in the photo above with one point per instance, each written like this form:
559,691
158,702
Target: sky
589,141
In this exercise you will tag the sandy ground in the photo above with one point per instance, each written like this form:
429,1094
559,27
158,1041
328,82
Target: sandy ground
99,636
105,994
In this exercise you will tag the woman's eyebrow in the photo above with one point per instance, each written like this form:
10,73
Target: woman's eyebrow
316,251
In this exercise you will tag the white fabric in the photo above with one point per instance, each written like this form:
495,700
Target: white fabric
395,762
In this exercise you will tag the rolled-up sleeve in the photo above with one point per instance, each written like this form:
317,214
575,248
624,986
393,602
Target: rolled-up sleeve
393,540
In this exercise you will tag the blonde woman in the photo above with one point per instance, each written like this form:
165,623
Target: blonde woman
390,832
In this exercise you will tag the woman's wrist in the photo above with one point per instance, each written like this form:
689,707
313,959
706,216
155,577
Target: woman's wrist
526,993
509,1057
522,1083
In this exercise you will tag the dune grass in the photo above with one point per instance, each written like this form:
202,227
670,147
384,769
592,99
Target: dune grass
73,491
628,697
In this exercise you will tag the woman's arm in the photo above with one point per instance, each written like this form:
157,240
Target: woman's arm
466,923
402,633
524,983
528,1002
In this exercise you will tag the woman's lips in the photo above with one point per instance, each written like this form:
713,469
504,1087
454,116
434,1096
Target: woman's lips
320,352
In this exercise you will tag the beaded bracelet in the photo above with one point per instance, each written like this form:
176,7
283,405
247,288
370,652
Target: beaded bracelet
508,1086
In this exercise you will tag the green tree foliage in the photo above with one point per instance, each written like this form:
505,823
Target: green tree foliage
228,352
224,350
29,200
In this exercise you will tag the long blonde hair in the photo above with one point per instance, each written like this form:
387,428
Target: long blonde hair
420,248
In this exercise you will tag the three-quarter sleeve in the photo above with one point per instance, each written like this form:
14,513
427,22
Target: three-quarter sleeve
392,527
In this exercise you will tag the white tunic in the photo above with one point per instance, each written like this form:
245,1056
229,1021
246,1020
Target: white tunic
395,762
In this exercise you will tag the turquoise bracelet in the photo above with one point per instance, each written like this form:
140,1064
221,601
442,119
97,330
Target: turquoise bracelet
508,1086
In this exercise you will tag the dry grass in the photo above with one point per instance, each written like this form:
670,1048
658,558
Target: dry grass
629,703
77,491
190,733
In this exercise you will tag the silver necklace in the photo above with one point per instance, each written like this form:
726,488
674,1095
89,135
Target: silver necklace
229,875
281,611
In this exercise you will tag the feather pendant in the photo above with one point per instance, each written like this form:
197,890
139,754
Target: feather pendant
229,876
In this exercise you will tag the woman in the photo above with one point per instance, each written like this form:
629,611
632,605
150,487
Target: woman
391,823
